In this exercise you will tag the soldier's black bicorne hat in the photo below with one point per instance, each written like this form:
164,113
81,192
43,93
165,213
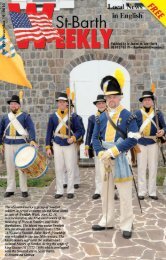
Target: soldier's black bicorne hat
14,98
110,86
62,96
146,94
100,98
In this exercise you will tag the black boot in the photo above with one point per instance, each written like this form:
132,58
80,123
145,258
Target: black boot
99,228
58,196
127,234
141,197
153,197
25,194
8,194
70,195
96,196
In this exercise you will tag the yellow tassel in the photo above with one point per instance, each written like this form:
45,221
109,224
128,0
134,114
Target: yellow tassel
21,93
68,92
153,87
72,96
119,75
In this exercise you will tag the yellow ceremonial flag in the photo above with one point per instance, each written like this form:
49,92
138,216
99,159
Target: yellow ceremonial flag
157,8
11,64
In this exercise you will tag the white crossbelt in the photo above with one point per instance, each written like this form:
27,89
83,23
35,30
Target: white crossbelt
17,125
61,124
147,121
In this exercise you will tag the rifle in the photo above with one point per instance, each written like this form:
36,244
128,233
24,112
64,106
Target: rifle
131,170
69,111
160,140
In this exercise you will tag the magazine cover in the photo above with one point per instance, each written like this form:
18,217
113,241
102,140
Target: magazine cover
82,129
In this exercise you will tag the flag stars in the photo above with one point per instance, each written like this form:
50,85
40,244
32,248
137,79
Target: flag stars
20,20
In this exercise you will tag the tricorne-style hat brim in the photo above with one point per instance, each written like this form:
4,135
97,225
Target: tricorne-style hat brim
99,100
146,96
9,101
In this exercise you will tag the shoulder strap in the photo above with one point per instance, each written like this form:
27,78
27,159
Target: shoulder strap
149,118
17,125
123,135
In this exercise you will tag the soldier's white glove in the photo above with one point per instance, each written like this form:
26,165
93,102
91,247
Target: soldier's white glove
107,155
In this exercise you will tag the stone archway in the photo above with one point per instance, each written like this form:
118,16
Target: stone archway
89,57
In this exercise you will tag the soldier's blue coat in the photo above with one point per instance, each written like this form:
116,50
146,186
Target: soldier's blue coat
126,124
81,125
91,124
27,124
53,122
153,129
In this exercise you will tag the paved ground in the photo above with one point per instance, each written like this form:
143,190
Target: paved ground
149,236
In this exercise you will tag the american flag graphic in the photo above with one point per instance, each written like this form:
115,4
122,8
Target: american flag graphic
33,27
6,47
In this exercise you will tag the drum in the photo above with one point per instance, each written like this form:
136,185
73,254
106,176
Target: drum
30,161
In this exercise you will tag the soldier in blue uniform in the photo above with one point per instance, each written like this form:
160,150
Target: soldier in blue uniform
15,128
148,157
77,147
111,149
100,103
64,135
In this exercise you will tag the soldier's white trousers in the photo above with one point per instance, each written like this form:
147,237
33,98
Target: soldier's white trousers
10,150
107,197
147,158
97,176
64,158
76,175
76,169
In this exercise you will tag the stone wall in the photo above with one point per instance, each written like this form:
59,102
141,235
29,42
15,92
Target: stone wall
49,69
